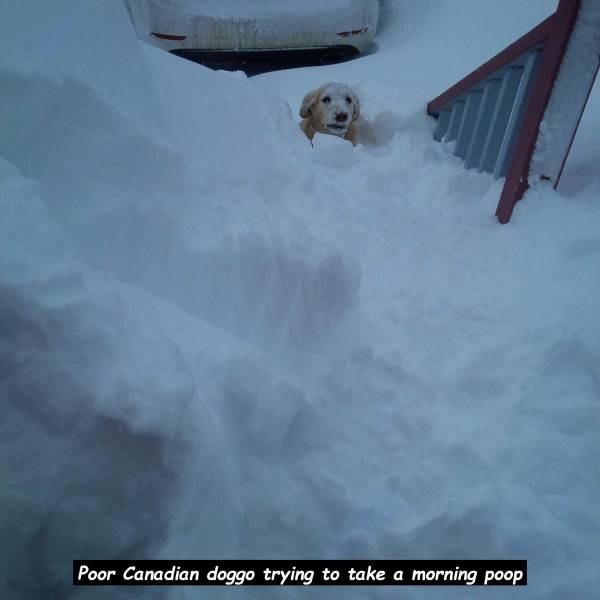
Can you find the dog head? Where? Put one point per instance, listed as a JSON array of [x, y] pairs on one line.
[[331, 108]]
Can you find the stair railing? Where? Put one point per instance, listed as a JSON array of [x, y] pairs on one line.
[[493, 115]]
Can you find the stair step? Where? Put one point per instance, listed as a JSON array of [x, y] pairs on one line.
[[442, 124], [518, 112], [468, 122], [482, 122], [502, 111], [456, 115]]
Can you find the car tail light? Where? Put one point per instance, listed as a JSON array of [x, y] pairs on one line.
[[166, 36]]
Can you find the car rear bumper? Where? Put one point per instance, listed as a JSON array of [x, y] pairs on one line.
[[214, 58], [274, 57], [158, 23]]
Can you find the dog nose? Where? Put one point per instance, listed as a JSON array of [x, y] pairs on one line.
[[341, 117]]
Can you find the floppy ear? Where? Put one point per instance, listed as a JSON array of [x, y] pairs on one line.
[[308, 103], [355, 108]]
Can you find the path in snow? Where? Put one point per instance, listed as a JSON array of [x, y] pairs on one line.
[[319, 352]]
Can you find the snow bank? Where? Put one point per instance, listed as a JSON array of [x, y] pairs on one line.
[[85, 427], [116, 409], [121, 177], [219, 341], [121, 401], [93, 44]]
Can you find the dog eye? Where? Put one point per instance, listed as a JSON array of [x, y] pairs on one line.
[[348, 100], [327, 99]]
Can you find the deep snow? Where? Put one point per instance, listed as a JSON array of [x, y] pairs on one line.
[[570, 92], [219, 342]]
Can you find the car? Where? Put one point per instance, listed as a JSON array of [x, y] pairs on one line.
[[222, 33]]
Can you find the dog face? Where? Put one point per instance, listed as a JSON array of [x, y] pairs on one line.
[[331, 108]]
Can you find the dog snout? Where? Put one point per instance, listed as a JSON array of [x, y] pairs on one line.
[[341, 117]]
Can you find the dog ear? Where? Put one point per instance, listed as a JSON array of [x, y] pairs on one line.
[[355, 108], [308, 103]]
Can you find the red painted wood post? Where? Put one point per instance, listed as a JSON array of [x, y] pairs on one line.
[[516, 180]]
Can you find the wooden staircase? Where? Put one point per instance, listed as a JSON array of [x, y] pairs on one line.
[[491, 117]]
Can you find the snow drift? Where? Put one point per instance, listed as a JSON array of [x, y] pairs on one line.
[[219, 342]]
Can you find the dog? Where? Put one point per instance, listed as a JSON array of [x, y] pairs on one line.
[[332, 109]]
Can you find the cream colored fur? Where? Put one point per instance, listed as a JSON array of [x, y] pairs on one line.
[[332, 109]]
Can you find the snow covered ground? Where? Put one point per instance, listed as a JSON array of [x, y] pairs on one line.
[[219, 342]]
